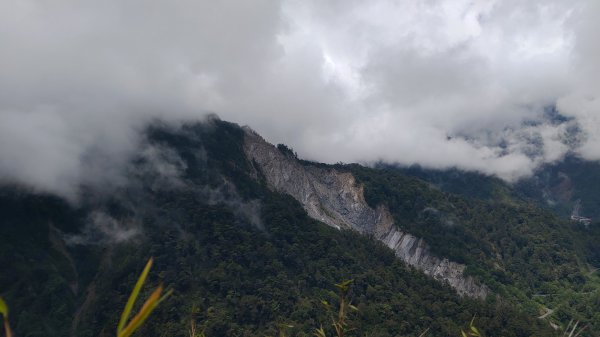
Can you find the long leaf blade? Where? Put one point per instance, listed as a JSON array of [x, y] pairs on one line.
[[3, 308], [134, 295], [149, 306], [4, 312], [7, 330]]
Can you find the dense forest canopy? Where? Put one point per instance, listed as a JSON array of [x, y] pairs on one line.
[[243, 259]]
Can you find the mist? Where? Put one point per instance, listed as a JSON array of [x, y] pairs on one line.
[[499, 87]]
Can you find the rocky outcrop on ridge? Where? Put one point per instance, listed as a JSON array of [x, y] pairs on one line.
[[334, 198]]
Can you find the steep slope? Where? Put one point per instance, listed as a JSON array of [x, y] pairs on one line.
[[245, 257], [334, 197], [472, 185], [566, 186], [521, 250]]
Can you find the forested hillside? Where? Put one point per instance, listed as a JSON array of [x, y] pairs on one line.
[[521, 250], [243, 259]]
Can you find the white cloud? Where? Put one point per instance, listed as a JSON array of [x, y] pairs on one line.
[[441, 83]]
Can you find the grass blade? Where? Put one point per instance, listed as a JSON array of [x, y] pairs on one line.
[[167, 294], [3, 308], [133, 296], [4, 312], [149, 306], [7, 328]]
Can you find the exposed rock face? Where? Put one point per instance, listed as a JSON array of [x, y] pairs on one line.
[[334, 198]]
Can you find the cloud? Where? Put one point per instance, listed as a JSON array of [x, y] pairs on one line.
[[103, 229], [246, 211], [79, 80], [159, 167], [456, 83]]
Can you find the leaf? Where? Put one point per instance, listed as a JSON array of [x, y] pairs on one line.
[[344, 285], [143, 314], [134, 295], [320, 332], [463, 333], [3, 308], [167, 294], [4, 312], [7, 330]]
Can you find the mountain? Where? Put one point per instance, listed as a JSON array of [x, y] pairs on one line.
[[333, 197], [566, 186], [250, 237]]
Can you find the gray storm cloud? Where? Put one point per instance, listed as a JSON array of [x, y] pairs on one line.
[[456, 83]]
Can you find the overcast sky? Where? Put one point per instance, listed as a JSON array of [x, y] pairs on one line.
[[452, 83]]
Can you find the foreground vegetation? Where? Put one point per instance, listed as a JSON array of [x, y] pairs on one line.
[[340, 317]]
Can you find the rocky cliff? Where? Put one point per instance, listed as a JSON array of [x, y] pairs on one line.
[[334, 198]]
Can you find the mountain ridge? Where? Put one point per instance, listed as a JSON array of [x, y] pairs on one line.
[[334, 198], [249, 256]]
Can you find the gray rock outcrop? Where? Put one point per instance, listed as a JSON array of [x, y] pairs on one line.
[[334, 198]]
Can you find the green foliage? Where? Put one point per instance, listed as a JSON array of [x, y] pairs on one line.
[[288, 151], [4, 313], [247, 278], [472, 185], [339, 319], [40, 279], [525, 253], [3, 308], [561, 185], [125, 329], [472, 331], [194, 330]]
